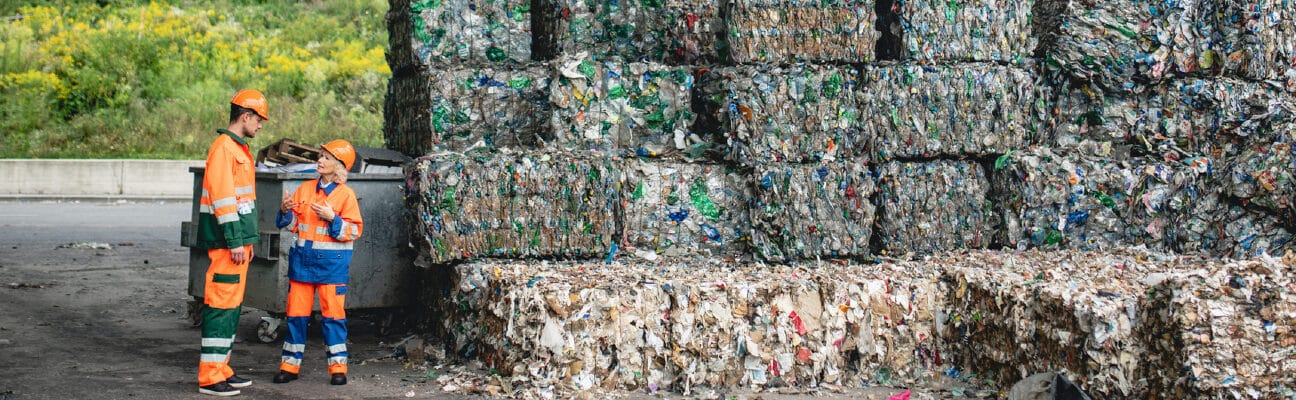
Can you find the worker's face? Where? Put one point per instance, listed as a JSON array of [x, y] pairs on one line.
[[251, 124], [326, 164]]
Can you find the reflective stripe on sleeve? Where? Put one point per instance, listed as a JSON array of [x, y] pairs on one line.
[[228, 201], [243, 190]]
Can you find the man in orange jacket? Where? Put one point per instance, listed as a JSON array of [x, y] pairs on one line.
[[326, 218], [227, 228]]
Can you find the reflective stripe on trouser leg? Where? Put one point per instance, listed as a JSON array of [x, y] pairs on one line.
[[333, 307], [222, 305], [301, 296]]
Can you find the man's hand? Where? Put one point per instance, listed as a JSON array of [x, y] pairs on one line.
[[324, 211], [239, 255]]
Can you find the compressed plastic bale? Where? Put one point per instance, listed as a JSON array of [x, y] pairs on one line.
[[881, 323], [1225, 228], [501, 205], [1263, 38], [1119, 43], [671, 31], [636, 109], [441, 33], [678, 209], [487, 107], [997, 30], [812, 211], [1014, 314], [1062, 200], [962, 110], [778, 32], [799, 113], [1262, 172], [1222, 331], [934, 206]]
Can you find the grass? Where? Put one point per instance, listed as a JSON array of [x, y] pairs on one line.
[[131, 79]]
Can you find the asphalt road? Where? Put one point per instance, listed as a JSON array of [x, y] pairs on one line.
[[93, 304]]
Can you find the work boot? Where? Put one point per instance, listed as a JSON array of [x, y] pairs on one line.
[[220, 389], [238, 381], [338, 379], [284, 377]]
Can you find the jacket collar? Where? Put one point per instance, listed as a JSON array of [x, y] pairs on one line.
[[327, 188], [232, 135]]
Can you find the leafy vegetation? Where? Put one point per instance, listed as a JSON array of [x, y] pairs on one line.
[[130, 79]]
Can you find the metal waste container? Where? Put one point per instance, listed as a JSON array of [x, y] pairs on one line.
[[382, 267]]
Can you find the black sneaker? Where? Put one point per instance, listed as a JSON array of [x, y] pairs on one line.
[[284, 377], [238, 381], [338, 379], [220, 389]]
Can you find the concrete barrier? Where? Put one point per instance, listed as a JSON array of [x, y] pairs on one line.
[[108, 179]]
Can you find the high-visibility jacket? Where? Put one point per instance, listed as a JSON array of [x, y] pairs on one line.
[[322, 251], [227, 215]]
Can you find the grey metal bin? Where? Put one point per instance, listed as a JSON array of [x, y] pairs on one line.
[[382, 268]]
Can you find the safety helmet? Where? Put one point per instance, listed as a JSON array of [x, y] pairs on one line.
[[343, 151], [254, 100]]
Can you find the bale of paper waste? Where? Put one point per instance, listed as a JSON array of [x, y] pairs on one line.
[[469, 107], [812, 211], [995, 30], [935, 206], [780, 32], [685, 210], [1222, 331], [1119, 43], [483, 204], [924, 111], [798, 113], [1014, 314], [670, 31], [636, 109], [428, 34], [681, 325], [882, 322]]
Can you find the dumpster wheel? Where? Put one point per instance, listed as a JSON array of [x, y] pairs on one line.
[[268, 330]]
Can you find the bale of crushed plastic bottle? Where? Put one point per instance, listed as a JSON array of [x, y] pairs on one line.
[[678, 209], [812, 211], [778, 32], [666, 31], [973, 109], [927, 207], [798, 113], [995, 30], [530, 205], [468, 107], [429, 34]]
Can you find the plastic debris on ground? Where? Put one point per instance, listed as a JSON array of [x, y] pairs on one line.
[[680, 209], [635, 109], [513, 205], [799, 113], [927, 207], [966, 109], [778, 32], [995, 30], [812, 211], [453, 32], [670, 31], [486, 107]]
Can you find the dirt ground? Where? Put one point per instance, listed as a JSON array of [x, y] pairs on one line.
[[93, 304]]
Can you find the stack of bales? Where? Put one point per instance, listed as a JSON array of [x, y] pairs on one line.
[[620, 186]]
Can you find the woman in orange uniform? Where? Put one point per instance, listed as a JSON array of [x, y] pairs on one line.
[[326, 218]]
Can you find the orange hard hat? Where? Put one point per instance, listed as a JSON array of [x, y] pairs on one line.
[[254, 100], [343, 151]]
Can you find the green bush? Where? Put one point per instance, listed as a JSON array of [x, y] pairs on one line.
[[132, 79]]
